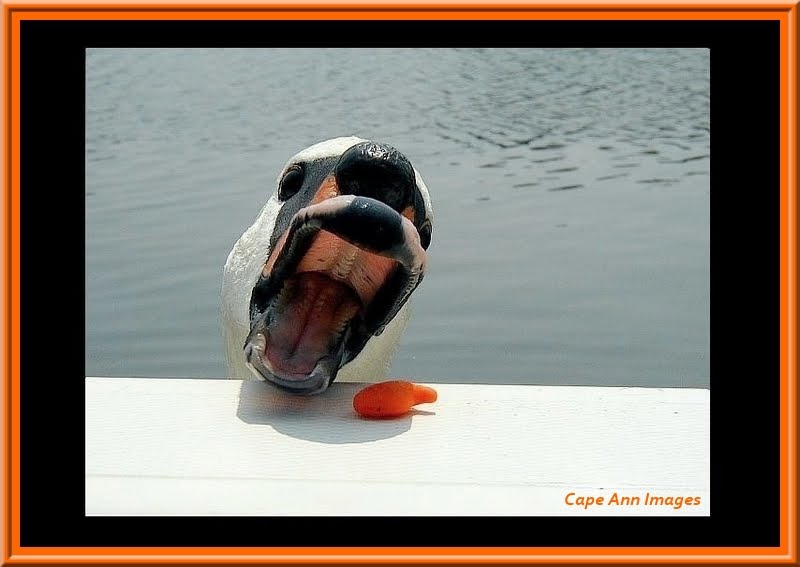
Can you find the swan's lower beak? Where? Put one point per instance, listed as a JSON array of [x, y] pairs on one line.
[[336, 277]]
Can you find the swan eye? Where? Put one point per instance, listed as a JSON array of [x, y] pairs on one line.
[[425, 234], [291, 182]]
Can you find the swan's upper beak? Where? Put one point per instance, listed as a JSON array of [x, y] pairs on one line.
[[348, 261]]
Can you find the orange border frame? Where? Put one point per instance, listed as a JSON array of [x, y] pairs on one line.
[[783, 11]]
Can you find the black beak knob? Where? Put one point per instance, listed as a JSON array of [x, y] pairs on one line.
[[377, 171]]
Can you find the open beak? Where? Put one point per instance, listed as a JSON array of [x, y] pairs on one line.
[[336, 277]]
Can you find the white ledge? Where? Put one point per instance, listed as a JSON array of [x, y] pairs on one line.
[[228, 447]]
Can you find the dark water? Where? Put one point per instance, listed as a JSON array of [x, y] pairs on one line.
[[570, 188]]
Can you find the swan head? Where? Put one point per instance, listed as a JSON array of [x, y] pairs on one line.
[[344, 241]]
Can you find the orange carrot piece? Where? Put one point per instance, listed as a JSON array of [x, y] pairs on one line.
[[391, 399]]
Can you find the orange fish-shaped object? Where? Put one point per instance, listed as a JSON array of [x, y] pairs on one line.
[[391, 399]]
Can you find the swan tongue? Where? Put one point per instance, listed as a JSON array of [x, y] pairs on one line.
[[307, 321]]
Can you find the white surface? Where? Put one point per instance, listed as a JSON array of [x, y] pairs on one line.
[[229, 447]]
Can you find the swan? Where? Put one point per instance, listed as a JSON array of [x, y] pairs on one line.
[[318, 286]]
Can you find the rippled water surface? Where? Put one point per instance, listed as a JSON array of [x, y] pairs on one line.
[[570, 188]]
